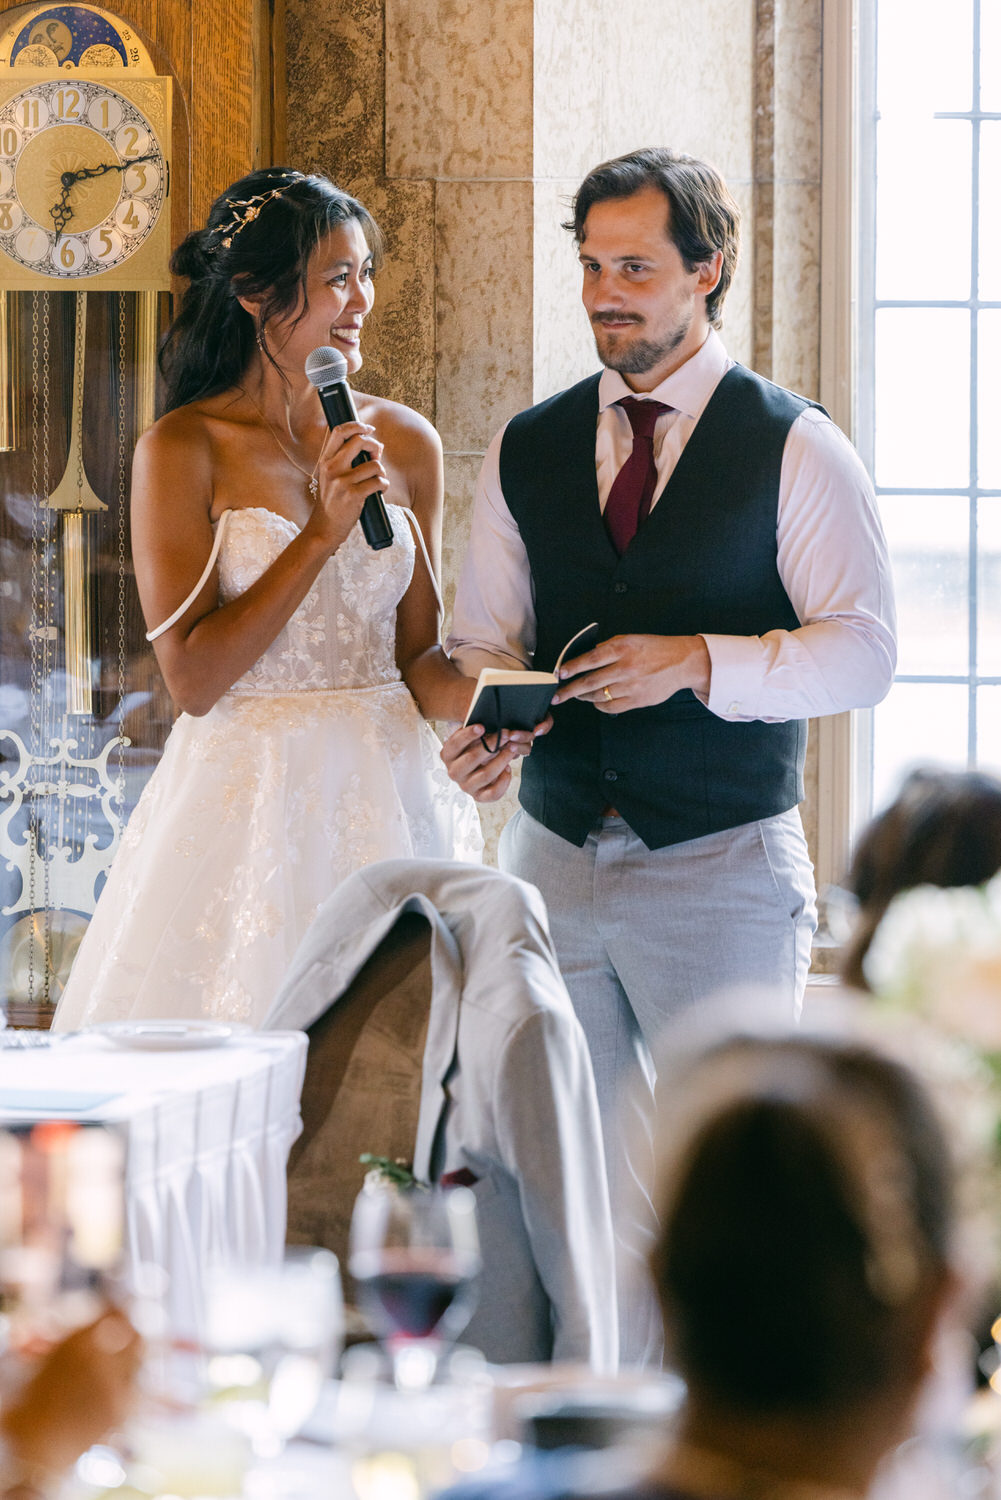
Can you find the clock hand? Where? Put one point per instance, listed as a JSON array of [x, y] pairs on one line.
[[61, 212]]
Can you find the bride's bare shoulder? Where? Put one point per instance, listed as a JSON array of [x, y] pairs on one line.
[[189, 434], [399, 425]]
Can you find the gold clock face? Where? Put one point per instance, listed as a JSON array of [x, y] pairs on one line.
[[83, 178]]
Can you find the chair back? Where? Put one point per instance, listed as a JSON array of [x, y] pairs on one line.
[[362, 1089]]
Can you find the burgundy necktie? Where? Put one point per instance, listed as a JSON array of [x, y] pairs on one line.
[[628, 503]]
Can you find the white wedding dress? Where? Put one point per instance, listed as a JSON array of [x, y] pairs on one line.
[[315, 763]]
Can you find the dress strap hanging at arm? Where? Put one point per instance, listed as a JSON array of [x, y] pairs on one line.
[[416, 526], [220, 532]]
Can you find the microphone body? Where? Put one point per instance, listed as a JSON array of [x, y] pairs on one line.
[[327, 369]]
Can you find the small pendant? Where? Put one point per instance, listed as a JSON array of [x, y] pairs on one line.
[[314, 486]]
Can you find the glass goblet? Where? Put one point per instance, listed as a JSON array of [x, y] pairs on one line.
[[414, 1259], [271, 1337]]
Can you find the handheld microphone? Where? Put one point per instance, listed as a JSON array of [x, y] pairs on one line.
[[327, 369]]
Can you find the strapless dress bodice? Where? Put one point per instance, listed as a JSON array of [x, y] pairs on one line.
[[343, 635]]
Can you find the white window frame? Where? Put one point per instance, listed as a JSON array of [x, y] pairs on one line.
[[848, 188]]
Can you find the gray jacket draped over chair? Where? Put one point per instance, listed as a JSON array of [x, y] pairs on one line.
[[506, 1095]]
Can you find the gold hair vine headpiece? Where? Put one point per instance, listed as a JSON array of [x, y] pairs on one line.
[[247, 209]]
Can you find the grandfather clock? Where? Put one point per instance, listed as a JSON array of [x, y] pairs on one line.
[[111, 148]]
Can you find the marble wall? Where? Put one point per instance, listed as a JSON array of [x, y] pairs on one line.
[[466, 125]]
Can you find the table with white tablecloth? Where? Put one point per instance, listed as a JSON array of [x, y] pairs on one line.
[[208, 1133]]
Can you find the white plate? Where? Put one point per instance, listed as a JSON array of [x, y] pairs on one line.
[[167, 1036]]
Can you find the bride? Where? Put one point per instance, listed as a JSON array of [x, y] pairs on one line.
[[303, 663]]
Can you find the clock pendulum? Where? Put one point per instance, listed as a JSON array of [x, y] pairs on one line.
[[74, 496], [147, 336], [9, 360]]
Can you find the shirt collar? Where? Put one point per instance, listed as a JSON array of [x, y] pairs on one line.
[[687, 389]]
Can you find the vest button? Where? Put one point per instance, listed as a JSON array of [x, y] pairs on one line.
[[620, 588], [610, 775]]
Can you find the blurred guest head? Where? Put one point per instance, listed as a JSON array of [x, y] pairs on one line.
[[943, 828], [803, 1265], [803, 1259]]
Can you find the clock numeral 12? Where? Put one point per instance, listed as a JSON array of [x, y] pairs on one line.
[[65, 109]]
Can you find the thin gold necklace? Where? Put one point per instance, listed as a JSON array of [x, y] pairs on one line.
[[314, 483]]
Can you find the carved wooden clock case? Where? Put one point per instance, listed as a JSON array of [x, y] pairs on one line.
[[97, 167]]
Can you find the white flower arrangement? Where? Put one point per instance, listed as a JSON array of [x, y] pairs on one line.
[[937, 953], [934, 966]]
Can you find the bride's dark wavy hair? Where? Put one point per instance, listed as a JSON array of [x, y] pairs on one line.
[[209, 344]]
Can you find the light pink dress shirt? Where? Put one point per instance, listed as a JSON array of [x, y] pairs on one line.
[[832, 560]]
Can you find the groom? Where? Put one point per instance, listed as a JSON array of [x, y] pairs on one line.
[[724, 534]]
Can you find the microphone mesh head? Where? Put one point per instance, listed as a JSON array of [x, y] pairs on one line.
[[325, 366]]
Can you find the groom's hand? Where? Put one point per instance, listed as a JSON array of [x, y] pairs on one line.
[[635, 671]]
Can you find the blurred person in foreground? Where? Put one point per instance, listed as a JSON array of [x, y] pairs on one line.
[[57, 1404], [943, 828], [924, 944], [803, 1268]]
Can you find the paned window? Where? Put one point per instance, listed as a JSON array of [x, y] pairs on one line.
[[929, 372]]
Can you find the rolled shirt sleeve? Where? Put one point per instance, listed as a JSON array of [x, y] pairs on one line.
[[833, 562]]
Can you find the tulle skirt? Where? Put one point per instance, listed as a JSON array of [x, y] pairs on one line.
[[253, 816]]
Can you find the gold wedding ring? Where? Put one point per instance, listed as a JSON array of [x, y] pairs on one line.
[[607, 694]]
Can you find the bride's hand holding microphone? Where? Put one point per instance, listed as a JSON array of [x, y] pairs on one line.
[[342, 489], [326, 371]]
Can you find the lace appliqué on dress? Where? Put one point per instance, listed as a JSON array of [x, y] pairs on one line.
[[316, 762]]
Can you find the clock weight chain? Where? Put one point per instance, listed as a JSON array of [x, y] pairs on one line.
[[75, 497], [39, 924]]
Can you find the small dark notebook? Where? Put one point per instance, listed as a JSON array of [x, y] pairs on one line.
[[520, 700]]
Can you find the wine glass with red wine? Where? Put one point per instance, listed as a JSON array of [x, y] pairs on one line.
[[414, 1259]]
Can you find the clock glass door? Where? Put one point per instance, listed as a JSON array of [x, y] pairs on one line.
[[83, 711], [87, 144]]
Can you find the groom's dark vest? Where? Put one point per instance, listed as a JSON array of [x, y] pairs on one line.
[[703, 562]]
